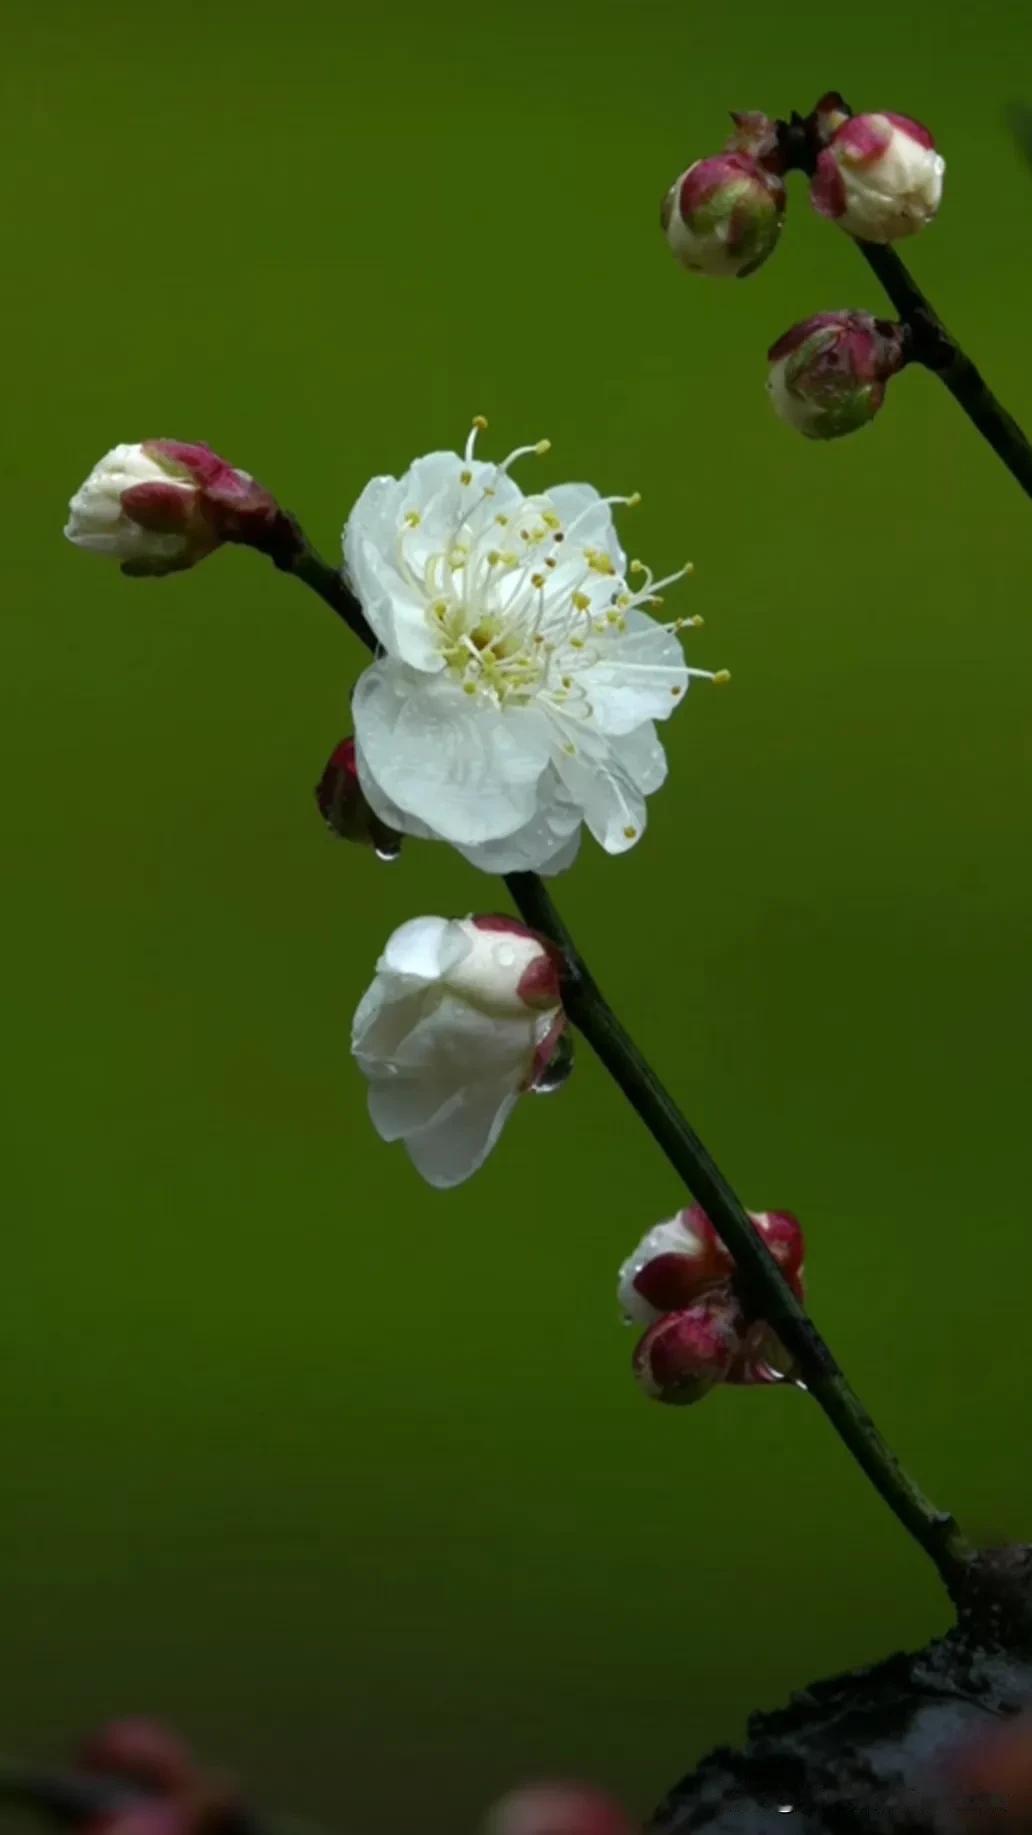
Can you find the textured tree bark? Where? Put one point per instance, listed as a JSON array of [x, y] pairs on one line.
[[886, 1748]]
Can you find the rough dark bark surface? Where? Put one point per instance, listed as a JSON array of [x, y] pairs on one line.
[[877, 1750]]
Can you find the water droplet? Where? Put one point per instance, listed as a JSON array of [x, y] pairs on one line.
[[556, 1070], [387, 853], [785, 1809]]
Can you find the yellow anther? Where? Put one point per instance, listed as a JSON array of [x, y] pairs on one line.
[[638, 567], [570, 749], [696, 621], [551, 561], [676, 691], [508, 559], [480, 420], [542, 447], [567, 681], [469, 688], [633, 500], [466, 477], [537, 579], [630, 833], [550, 519], [582, 602], [413, 518], [502, 521], [576, 643], [721, 676], [598, 561]]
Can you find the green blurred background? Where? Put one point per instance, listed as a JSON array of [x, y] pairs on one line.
[[347, 1477]]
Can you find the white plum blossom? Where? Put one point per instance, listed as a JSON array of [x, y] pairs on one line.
[[520, 677], [463, 1016]]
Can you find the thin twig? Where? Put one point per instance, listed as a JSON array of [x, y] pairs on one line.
[[761, 1280], [759, 1274]]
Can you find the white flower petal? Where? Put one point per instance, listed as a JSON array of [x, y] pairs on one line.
[[429, 947], [642, 756], [468, 771], [457, 1142], [548, 843], [640, 675], [614, 807]]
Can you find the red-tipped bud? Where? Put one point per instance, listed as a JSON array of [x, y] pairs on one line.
[[879, 176], [724, 215], [344, 809], [828, 374], [557, 1809], [162, 505], [783, 1234], [672, 1265], [681, 1259], [685, 1354], [142, 1752]]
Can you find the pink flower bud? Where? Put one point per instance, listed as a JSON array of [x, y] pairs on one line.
[[141, 1752], [557, 1809], [681, 1259], [879, 177], [685, 1354], [783, 1234], [724, 215], [163, 505], [344, 809], [828, 374], [673, 1264]]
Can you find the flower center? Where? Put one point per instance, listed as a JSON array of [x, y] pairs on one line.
[[519, 606]]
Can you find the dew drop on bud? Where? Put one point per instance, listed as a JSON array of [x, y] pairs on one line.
[[557, 1070]]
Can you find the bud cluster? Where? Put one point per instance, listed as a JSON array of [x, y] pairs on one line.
[[878, 176], [680, 1283]]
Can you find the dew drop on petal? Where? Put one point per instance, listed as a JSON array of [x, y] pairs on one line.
[[557, 1070]]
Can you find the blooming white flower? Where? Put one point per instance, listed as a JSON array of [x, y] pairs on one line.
[[520, 677], [463, 1016], [879, 177], [135, 480]]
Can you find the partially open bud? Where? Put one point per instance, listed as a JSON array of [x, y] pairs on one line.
[[724, 215], [828, 374], [685, 1354], [879, 177], [344, 809], [557, 1809], [162, 505], [464, 1016], [672, 1265], [678, 1261]]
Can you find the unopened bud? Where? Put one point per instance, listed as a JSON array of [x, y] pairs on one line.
[[672, 1265], [757, 135], [828, 374], [783, 1234], [685, 1354], [344, 809], [142, 1752], [724, 215], [162, 505], [879, 177], [557, 1809], [678, 1261]]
